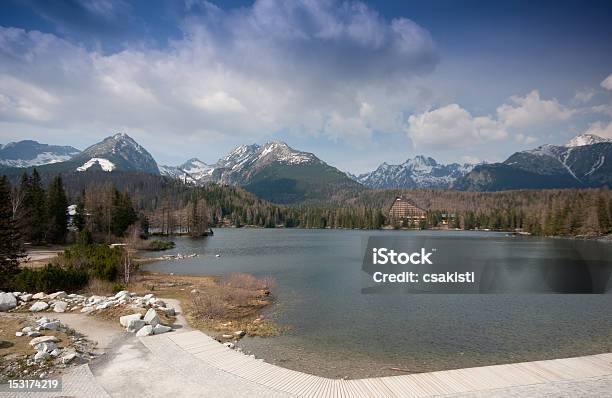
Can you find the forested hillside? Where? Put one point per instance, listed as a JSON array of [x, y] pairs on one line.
[[542, 212], [169, 206]]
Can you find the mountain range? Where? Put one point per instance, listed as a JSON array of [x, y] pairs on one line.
[[584, 162], [281, 174], [273, 171], [419, 172], [29, 153]]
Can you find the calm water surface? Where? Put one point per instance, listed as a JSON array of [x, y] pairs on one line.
[[338, 332]]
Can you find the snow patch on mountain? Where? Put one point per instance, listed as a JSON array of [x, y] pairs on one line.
[[40, 159], [586, 139], [280, 152], [28, 153], [196, 167], [105, 164]]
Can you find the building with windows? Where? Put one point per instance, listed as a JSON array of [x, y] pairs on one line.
[[403, 209]]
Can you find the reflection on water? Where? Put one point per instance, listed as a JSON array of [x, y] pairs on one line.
[[339, 332]]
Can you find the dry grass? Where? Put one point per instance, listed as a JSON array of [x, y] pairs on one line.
[[11, 345], [221, 305], [248, 281], [99, 287]]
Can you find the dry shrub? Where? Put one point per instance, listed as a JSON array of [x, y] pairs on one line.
[[236, 296], [248, 282], [99, 287], [207, 305]]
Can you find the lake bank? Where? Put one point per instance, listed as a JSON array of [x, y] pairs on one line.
[[319, 298]]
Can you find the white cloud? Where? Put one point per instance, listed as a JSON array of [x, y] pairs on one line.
[[600, 129], [452, 127], [607, 83], [523, 118], [606, 109], [20, 100], [337, 69], [532, 111], [525, 139], [583, 96], [220, 102]]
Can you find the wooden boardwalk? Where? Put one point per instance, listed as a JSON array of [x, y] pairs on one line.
[[458, 381]]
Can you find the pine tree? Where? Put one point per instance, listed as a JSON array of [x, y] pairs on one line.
[[11, 249], [57, 219], [122, 214], [32, 215]]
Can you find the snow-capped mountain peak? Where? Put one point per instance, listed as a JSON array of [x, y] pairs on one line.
[[124, 152], [418, 172], [278, 151], [240, 163], [29, 153], [196, 168], [586, 139]]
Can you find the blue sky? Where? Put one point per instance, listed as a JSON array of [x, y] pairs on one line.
[[357, 83]]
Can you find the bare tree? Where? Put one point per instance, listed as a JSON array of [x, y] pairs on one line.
[[17, 196]]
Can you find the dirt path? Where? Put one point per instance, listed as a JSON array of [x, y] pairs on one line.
[[105, 333]]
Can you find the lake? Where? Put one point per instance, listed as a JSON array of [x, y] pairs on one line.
[[336, 331]]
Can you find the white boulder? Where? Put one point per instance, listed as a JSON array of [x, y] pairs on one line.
[[58, 295], [54, 325], [39, 306], [41, 356], [104, 305], [19, 334], [7, 301], [168, 311], [122, 294], [135, 325], [146, 330], [43, 339], [39, 296], [93, 300], [69, 357], [87, 309], [25, 297], [159, 329], [125, 320], [46, 346], [151, 317], [60, 306]]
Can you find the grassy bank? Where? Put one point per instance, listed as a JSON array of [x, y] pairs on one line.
[[216, 305]]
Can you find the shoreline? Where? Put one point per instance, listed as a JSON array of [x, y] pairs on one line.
[[261, 348]]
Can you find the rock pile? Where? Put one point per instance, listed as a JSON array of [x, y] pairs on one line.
[[63, 302], [144, 326], [48, 353]]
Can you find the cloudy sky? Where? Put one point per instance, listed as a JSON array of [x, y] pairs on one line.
[[357, 83]]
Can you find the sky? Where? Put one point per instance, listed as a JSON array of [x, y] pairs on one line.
[[356, 83]]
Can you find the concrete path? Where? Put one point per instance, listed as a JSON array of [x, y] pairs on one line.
[[188, 363]]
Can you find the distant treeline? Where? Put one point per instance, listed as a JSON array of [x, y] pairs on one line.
[[169, 206], [550, 212]]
